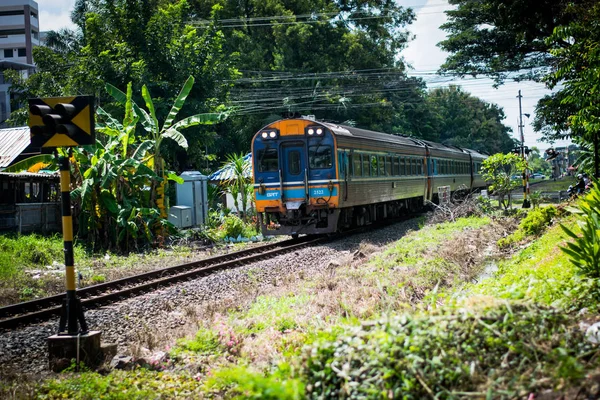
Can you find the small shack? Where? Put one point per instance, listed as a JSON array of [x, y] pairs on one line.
[[30, 202]]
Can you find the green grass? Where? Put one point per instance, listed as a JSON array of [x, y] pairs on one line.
[[31, 251], [268, 311], [541, 273], [122, 385]]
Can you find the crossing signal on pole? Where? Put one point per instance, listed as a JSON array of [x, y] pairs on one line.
[[551, 154], [62, 121]]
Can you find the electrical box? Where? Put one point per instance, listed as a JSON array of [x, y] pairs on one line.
[[181, 216], [193, 193]]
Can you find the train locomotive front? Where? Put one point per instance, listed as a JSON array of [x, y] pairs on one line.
[[296, 182]]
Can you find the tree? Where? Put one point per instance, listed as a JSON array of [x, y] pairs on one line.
[[537, 163], [498, 170], [136, 41], [336, 60], [500, 38], [578, 68]]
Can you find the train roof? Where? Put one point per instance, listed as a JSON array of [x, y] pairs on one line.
[[351, 131], [343, 130]]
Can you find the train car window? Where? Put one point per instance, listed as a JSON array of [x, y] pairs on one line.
[[381, 165], [366, 165], [414, 166], [294, 162], [388, 166], [420, 167], [268, 160], [374, 169], [341, 157], [402, 166], [396, 167], [320, 156], [357, 165]]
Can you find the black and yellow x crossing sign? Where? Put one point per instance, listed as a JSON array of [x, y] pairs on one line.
[[62, 121]]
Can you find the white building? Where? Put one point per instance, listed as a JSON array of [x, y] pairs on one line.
[[19, 32]]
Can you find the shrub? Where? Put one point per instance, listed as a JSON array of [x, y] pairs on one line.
[[532, 225], [513, 350], [233, 227], [584, 251]]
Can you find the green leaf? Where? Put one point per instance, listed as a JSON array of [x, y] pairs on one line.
[[142, 149], [173, 177], [569, 232], [177, 136], [200, 119], [179, 101], [121, 97], [110, 121], [150, 106], [27, 163], [109, 201]]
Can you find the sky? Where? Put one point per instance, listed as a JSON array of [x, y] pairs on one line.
[[422, 54]]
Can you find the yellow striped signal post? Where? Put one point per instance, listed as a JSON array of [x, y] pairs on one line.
[[67, 122], [72, 319]]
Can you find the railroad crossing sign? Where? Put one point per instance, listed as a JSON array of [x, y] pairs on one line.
[[62, 121]]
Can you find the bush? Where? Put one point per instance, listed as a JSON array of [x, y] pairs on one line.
[[532, 225], [241, 383], [513, 350], [584, 251], [233, 227]]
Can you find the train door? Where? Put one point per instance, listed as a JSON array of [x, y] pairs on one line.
[[293, 167]]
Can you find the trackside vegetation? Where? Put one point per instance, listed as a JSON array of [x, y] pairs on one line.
[[404, 322]]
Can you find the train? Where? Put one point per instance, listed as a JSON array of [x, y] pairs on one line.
[[313, 177]]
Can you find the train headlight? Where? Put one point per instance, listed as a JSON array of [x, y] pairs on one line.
[[270, 134], [314, 130]]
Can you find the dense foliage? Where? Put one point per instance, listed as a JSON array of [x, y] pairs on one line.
[[336, 60], [551, 41], [448, 355], [584, 250]]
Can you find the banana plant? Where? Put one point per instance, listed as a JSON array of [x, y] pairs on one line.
[[238, 185], [169, 130]]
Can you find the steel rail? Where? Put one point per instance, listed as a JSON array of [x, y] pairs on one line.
[[92, 296]]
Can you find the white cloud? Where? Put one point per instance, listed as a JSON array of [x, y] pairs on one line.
[[55, 14]]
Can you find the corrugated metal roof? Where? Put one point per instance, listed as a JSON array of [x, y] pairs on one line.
[[12, 143], [226, 172]]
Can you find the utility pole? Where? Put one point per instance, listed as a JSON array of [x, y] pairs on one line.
[[526, 203]]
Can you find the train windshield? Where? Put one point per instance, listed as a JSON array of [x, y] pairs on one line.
[[320, 156], [268, 160]]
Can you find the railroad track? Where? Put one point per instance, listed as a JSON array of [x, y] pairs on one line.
[[94, 296]]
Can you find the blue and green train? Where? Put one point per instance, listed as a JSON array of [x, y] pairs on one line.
[[315, 177]]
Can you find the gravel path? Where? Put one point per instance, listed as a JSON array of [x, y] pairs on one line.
[[156, 317]]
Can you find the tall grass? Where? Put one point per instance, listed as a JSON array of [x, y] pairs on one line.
[[19, 252]]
